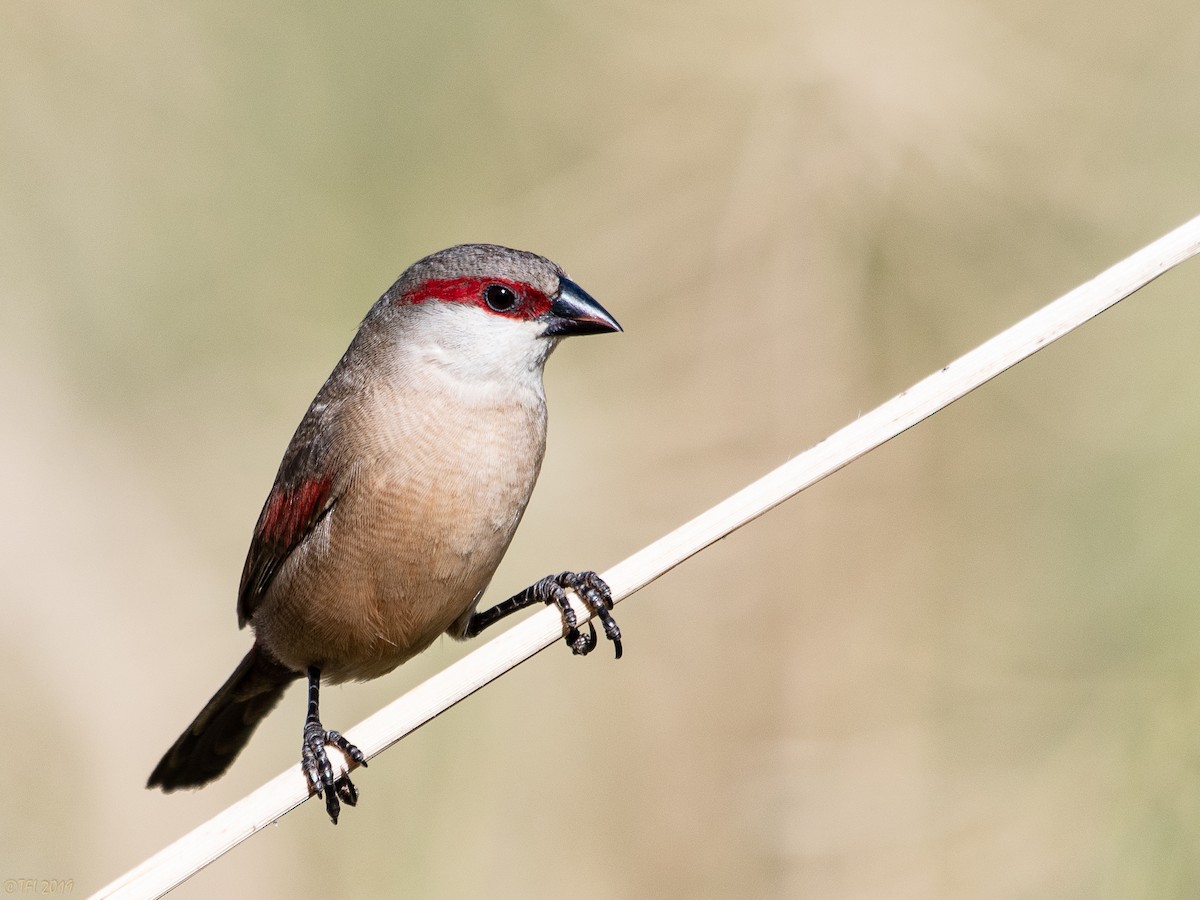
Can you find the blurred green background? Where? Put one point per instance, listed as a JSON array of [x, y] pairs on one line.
[[966, 666]]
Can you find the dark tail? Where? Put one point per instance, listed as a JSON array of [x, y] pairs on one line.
[[211, 743]]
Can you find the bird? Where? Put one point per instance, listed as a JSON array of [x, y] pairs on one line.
[[396, 499]]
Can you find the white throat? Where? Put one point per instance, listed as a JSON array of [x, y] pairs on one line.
[[486, 356]]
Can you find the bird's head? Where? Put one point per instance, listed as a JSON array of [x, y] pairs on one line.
[[486, 310]]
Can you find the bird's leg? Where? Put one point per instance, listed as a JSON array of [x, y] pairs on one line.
[[553, 590], [314, 759]]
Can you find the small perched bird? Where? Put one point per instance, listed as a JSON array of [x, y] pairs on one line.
[[396, 499]]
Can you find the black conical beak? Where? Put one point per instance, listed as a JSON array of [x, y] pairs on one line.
[[574, 311]]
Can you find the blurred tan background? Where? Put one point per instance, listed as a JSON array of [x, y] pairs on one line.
[[966, 666]]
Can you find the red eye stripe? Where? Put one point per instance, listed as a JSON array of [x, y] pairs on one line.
[[531, 302]]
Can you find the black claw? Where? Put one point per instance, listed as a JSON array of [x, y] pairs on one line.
[[552, 590], [352, 752], [314, 757], [333, 808], [582, 646], [319, 771], [346, 791], [572, 636], [596, 596]]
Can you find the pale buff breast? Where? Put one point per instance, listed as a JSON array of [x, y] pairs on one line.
[[414, 538]]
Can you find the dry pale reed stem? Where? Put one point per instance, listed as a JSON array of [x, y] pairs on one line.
[[192, 852]]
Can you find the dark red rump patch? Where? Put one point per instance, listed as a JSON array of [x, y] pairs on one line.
[[289, 512], [530, 304]]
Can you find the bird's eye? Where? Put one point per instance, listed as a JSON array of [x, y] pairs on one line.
[[500, 298]]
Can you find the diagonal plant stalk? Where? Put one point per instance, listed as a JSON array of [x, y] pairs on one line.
[[182, 859]]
